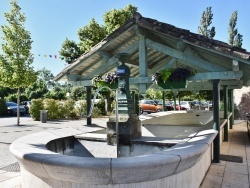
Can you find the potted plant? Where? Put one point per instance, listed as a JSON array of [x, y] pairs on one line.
[[109, 80], [172, 78]]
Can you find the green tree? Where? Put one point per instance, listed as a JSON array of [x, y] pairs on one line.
[[153, 94], [115, 18], [5, 91], [78, 93], [46, 76], [238, 40], [15, 62], [235, 38], [70, 51], [205, 22], [90, 35], [93, 33]]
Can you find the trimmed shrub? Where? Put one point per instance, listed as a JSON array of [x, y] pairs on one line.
[[53, 108], [36, 106], [69, 109]]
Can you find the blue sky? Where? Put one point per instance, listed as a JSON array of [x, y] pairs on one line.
[[50, 22]]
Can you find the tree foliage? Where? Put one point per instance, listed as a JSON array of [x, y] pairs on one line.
[[90, 35], [205, 22], [70, 51], [235, 38], [16, 70], [16, 60], [115, 18], [153, 94], [93, 33]]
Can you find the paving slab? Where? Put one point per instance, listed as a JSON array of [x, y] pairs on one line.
[[220, 175], [231, 174]]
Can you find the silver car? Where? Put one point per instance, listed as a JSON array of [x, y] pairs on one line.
[[12, 108]]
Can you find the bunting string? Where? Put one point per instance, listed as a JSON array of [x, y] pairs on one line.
[[49, 56]]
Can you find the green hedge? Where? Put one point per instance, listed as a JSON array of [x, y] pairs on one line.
[[3, 108], [61, 109], [36, 106]]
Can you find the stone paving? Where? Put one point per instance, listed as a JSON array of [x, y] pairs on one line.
[[231, 174], [9, 132], [220, 175]]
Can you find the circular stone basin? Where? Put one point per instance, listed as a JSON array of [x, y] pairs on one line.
[[169, 167]]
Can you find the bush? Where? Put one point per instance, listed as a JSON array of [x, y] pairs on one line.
[[3, 108], [101, 105], [81, 110], [36, 106], [53, 108], [61, 109], [96, 112], [69, 109]]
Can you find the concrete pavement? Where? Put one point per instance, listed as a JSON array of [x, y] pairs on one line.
[[221, 175], [9, 132], [231, 174]]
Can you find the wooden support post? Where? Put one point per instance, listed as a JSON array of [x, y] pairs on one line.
[[175, 93], [163, 101], [143, 63], [135, 102], [216, 115], [231, 107], [88, 102], [225, 99]]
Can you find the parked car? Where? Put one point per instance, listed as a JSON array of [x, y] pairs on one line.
[[205, 105], [149, 106], [26, 105], [12, 108], [195, 104], [168, 106], [184, 105]]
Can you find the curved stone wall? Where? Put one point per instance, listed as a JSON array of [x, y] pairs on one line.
[[184, 164]]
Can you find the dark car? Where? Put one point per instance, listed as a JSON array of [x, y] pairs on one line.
[[12, 108], [168, 106], [26, 105]]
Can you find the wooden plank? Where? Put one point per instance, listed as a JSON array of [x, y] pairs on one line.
[[225, 75], [195, 61]]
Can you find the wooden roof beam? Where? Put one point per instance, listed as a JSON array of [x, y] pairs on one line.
[[195, 61], [225, 75], [162, 66], [112, 62]]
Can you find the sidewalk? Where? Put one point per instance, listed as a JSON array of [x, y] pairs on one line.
[[231, 174], [220, 175], [9, 132]]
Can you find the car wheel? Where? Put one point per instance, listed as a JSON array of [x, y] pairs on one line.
[[158, 110]]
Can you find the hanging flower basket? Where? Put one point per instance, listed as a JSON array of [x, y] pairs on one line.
[[112, 86], [172, 84], [172, 78], [109, 80]]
